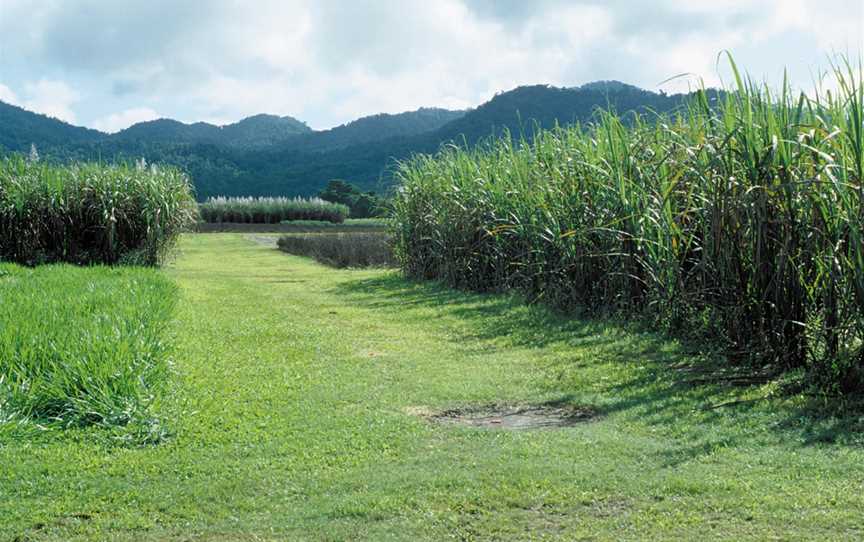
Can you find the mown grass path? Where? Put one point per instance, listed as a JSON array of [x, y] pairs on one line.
[[291, 421]]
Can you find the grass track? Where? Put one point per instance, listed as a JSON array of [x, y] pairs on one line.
[[291, 424]]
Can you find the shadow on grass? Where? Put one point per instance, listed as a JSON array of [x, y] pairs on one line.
[[652, 376]]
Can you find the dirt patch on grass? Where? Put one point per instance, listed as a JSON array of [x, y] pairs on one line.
[[342, 250], [510, 417], [268, 241]]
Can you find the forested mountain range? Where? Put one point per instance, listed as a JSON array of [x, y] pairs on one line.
[[271, 155], [249, 133], [20, 128]]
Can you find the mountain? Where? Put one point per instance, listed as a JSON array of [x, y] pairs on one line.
[[377, 128], [520, 109], [269, 155], [20, 128], [263, 131], [287, 169], [252, 132], [169, 131]]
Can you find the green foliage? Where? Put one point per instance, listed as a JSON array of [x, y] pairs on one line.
[[271, 156], [341, 249], [90, 213], [361, 205], [742, 221], [83, 346], [271, 210], [520, 110]]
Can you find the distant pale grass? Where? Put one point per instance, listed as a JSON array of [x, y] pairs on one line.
[[271, 210], [348, 223], [342, 249], [740, 221], [91, 213], [83, 346]]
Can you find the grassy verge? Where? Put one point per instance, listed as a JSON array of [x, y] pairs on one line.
[[82, 347], [298, 385], [342, 249]]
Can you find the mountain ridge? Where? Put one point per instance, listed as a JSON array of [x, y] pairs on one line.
[[254, 131], [362, 152]]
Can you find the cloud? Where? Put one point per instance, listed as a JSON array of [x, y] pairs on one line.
[[52, 98], [330, 61], [6, 95], [118, 121]]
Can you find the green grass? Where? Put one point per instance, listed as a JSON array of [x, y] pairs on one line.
[[91, 213], [271, 210], [292, 389], [83, 346], [738, 221]]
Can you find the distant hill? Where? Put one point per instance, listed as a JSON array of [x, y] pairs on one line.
[[168, 131], [263, 131], [377, 128], [252, 132], [518, 110], [270, 155], [19, 128], [369, 165]]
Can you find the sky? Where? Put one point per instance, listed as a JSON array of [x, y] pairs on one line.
[[107, 64]]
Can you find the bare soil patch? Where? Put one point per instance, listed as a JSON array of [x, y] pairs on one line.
[[265, 240], [511, 417]]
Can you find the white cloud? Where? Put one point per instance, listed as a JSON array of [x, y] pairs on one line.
[[52, 98], [118, 121], [330, 61], [6, 95]]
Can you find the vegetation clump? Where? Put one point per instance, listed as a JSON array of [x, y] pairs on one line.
[[740, 219], [342, 249], [90, 213], [250, 210], [83, 346], [361, 204]]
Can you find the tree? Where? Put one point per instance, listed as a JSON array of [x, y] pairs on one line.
[[339, 191], [362, 205]]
